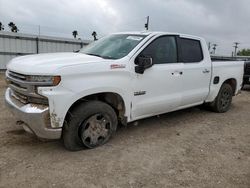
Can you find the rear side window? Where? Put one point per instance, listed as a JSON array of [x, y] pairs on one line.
[[191, 50]]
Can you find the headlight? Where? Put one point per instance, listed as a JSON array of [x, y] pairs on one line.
[[48, 80]]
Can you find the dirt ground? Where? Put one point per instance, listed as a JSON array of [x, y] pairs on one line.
[[189, 148]]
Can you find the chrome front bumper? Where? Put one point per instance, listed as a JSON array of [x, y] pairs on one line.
[[35, 118]]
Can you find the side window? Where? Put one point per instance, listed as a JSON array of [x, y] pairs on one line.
[[162, 50], [191, 50]]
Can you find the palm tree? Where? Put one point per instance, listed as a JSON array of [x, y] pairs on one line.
[[13, 27], [94, 34], [74, 33], [1, 26]]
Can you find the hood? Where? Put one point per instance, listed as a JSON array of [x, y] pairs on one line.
[[49, 63]]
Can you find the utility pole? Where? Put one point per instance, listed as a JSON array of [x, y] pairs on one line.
[[39, 30], [147, 24], [214, 47], [235, 48]]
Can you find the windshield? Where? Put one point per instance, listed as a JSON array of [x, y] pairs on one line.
[[113, 46]]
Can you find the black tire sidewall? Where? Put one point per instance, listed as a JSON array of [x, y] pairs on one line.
[[217, 104], [71, 128]]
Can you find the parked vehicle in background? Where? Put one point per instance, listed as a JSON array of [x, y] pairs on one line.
[[81, 97], [246, 79]]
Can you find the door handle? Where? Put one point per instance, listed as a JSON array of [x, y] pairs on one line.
[[177, 73], [206, 71]]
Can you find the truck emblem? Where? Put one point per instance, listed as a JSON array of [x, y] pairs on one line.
[[137, 93], [117, 66]]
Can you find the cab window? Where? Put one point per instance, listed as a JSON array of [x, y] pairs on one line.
[[162, 50], [191, 50]]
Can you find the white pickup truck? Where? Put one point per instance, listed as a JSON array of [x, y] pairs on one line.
[[81, 97]]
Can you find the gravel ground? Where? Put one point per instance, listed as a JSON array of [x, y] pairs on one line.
[[189, 148]]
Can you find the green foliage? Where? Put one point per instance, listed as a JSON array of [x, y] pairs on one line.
[[244, 52]]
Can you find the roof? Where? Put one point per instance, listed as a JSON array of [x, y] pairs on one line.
[[159, 33], [23, 35]]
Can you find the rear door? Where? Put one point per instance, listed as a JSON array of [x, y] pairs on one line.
[[196, 72]]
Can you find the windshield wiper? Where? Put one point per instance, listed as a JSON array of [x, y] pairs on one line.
[[107, 57], [104, 57], [93, 54]]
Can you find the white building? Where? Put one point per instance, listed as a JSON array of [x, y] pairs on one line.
[[16, 44]]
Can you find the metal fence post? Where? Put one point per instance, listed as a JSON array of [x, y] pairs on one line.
[[37, 45]]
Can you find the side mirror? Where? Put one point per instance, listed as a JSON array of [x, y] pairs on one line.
[[143, 63]]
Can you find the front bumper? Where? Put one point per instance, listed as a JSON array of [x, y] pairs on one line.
[[35, 118]]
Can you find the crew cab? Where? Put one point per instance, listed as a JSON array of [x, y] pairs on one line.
[[123, 77]]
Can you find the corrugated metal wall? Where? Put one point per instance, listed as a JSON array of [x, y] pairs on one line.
[[16, 44]]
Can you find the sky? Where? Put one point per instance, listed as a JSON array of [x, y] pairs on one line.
[[220, 22]]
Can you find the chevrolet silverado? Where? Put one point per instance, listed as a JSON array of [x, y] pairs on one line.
[[123, 77]]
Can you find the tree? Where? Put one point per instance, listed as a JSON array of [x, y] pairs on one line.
[[75, 33], [13, 27], [244, 52], [1, 26], [94, 34]]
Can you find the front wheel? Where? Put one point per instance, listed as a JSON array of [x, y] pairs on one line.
[[90, 125], [223, 100]]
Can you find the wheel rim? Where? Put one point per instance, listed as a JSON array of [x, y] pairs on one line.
[[225, 99], [96, 130]]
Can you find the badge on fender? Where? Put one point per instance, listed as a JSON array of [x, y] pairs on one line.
[[117, 66]]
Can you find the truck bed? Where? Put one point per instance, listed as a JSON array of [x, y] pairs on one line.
[[233, 69], [226, 58]]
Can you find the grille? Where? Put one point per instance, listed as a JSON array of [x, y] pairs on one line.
[[23, 90], [21, 98], [17, 76]]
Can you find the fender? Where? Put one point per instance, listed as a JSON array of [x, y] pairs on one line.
[[60, 101]]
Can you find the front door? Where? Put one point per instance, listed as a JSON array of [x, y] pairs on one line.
[[159, 89]]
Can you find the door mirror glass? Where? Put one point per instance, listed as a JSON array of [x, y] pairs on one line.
[[143, 63]]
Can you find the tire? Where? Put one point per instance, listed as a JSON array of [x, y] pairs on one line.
[[89, 125], [223, 100]]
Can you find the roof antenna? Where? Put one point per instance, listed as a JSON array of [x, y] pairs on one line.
[[147, 24]]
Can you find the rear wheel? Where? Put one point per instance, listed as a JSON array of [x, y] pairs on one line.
[[89, 125], [223, 101]]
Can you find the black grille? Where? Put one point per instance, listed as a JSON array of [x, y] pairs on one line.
[[23, 90], [17, 76], [27, 99], [18, 96]]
